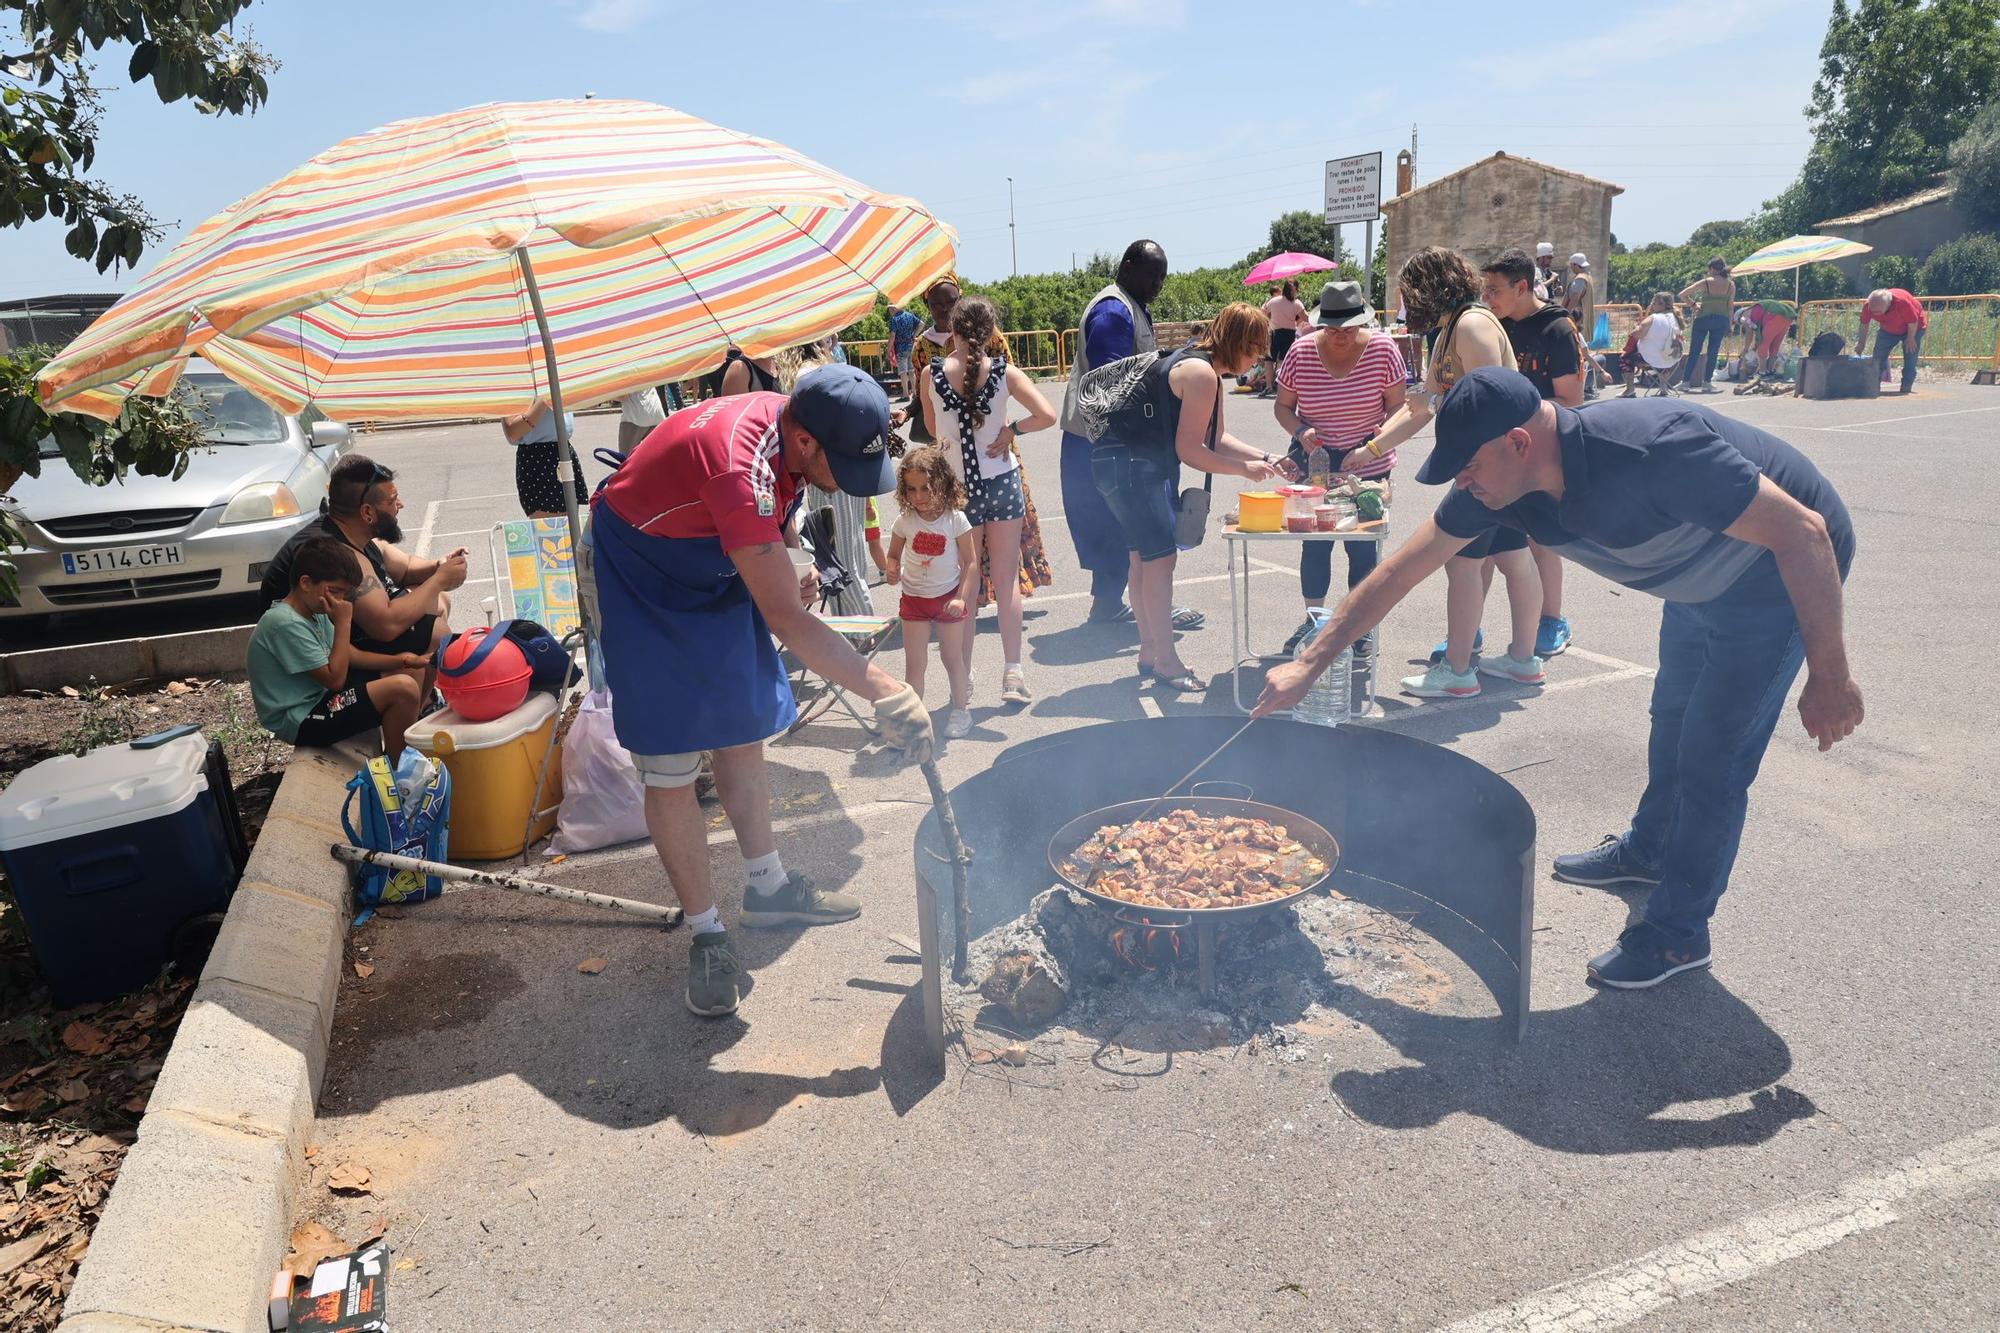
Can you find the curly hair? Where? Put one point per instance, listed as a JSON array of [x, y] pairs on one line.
[[976, 321], [1437, 282], [930, 461]]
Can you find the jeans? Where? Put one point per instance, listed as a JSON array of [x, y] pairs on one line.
[[1701, 368], [1316, 565], [1885, 344], [1725, 669]]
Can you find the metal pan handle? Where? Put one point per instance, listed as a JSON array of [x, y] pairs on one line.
[[1119, 916], [1235, 791]]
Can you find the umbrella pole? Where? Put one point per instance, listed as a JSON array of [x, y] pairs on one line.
[[568, 471]]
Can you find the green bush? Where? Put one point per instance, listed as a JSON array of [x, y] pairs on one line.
[[1968, 264], [1893, 271], [1975, 168]]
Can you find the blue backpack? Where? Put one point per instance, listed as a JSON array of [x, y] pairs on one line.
[[388, 826]]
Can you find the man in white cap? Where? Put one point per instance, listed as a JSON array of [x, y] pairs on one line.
[[1549, 284], [1579, 299]]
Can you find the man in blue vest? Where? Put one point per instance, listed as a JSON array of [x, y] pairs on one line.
[[1741, 536]]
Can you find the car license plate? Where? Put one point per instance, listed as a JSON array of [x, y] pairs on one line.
[[122, 560]]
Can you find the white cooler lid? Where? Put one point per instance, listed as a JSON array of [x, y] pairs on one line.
[[73, 795], [533, 712]]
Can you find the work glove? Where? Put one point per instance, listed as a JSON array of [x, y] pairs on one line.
[[904, 724]]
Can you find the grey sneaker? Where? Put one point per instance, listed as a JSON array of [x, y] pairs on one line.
[[715, 978], [797, 904]]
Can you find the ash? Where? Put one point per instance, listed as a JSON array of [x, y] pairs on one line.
[[1064, 963]]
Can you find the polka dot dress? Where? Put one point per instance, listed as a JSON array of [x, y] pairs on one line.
[[536, 483]]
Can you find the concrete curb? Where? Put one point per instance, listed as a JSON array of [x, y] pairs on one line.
[[222, 1144], [208, 652]]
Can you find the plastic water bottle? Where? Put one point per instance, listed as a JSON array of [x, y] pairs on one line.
[[1319, 469], [1328, 702]]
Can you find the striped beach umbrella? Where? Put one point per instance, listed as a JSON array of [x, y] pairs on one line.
[[400, 274], [1795, 252]]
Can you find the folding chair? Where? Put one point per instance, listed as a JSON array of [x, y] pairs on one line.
[[814, 695], [534, 578]]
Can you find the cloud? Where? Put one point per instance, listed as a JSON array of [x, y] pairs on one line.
[[616, 15]]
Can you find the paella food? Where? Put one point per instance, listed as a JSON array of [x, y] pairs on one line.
[[1187, 860]]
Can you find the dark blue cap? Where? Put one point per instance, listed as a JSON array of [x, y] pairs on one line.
[[847, 412], [1481, 407]]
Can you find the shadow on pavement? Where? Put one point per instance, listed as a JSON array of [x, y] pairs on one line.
[[1602, 1077]]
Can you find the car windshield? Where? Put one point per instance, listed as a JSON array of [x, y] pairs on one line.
[[233, 415]]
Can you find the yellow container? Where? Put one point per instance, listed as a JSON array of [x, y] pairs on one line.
[[494, 767], [1260, 511]]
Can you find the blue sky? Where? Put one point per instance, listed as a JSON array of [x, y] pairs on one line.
[[1191, 123]]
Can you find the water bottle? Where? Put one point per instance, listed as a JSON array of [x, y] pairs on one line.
[[1319, 469], [1328, 702]]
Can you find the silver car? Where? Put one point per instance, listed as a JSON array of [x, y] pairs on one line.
[[149, 540]]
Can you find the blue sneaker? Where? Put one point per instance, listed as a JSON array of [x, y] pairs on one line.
[[1552, 636], [1606, 866], [1643, 957], [1478, 642]]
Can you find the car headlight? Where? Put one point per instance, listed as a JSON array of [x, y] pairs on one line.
[[256, 504]]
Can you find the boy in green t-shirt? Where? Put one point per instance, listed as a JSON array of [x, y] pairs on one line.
[[310, 685]]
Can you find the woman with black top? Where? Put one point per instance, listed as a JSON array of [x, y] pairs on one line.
[[1137, 464], [748, 374]]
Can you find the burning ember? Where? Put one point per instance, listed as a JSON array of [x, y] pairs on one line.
[[1140, 946]]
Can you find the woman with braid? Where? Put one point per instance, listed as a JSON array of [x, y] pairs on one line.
[[966, 396]]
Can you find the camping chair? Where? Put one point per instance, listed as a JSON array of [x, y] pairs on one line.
[[815, 696]]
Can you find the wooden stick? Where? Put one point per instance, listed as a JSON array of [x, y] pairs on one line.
[[666, 916], [960, 857]]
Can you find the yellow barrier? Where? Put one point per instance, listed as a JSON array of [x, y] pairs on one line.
[[1964, 330]]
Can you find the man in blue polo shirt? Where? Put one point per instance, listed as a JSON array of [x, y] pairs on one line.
[[1741, 536], [902, 347]]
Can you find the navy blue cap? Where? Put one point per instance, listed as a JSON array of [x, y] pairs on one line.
[[847, 412], [1480, 408]]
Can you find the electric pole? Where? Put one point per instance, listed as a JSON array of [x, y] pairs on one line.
[[1013, 238]]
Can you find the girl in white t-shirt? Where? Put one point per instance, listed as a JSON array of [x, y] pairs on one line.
[[1654, 341], [932, 557]]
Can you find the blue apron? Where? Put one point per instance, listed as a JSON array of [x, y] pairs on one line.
[[689, 659]]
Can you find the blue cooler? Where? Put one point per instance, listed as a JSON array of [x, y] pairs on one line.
[[119, 855]]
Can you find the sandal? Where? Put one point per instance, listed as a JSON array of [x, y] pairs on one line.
[[1185, 683], [1186, 617]]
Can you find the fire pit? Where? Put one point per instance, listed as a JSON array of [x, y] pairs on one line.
[[1410, 819]]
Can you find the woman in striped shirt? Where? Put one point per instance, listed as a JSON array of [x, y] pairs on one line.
[[1335, 389]]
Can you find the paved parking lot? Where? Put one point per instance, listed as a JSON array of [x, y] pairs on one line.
[[1804, 1137]]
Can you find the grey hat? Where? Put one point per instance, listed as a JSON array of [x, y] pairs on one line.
[[1343, 306]]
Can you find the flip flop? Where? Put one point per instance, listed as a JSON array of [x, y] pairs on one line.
[[1186, 617]]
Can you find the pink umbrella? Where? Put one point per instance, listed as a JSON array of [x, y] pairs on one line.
[[1287, 265]]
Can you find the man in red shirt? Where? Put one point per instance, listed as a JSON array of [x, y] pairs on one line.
[[1902, 320], [694, 575]]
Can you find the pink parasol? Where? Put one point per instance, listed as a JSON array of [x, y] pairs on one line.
[[1287, 265]]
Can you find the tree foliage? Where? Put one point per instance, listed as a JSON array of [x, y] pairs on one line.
[[1302, 232], [152, 437], [1975, 167], [1634, 277], [1966, 265], [1892, 271], [49, 107], [1899, 81], [1713, 234]]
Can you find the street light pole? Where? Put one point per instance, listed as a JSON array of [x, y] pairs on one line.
[[1013, 239]]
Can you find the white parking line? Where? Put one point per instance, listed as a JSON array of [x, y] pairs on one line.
[[423, 546], [1919, 416], [1741, 1249], [1424, 708], [643, 851], [1039, 600]]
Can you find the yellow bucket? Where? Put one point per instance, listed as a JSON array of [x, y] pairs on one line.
[[1260, 511]]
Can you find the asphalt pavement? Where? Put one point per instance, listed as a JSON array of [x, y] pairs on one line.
[[1804, 1137]]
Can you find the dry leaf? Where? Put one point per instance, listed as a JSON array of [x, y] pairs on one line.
[[405, 1265], [71, 692], [312, 1151], [347, 1178], [25, 1101], [376, 1230], [85, 1039], [558, 858], [177, 687], [72, 1090], [592, 966], [136, 1103], [983, 1057], [13, 1256], [311, 1243], [1016, 1055], [364, 970]]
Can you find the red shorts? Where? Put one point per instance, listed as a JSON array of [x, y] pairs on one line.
[[930, 608], [1775, 330]]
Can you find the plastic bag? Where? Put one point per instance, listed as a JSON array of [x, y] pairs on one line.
[[604, 802]]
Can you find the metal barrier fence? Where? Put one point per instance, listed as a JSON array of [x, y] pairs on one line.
[[1037, 351], [1964, 330]]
